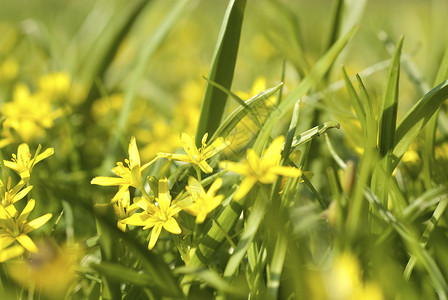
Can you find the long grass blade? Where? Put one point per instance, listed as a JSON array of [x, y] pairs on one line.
[[221, 70]]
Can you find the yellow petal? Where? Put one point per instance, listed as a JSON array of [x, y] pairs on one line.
[[27, 243], [154, 236], [205, 167], [137, 219], [48, 152], [253, 159], [36, 223], [108, 181], [11, 252], [273, 152], [235, 167], [189, 145], [214, 187], [164, 198], [245, 186], [121, 225], [134, 157], [26, 211], [172, 226], [287, 171], [218, 145]]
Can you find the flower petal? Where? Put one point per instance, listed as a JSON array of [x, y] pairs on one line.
[[134, 157], [36, 223], [287, 171], [11, 252], [245, 186], [27, 243], [154, 236], [137, 219], [218, 145], [108, 181], [164, 198], [273, 152], [189, 145], [172, 226]]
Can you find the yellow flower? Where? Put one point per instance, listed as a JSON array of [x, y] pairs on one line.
[[16, 227], [197, 157], [55, 85], [11, 196], [27, 116], [156, 216], [202, 203], [130, 174], [23, 164], [51, 270], [123, 209], [264, 170]]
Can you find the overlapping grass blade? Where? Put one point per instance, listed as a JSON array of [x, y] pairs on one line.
[[101, 53], [148, 48], [221, 70], [317, 72], [386, 128], [414, 121], [356, 101]]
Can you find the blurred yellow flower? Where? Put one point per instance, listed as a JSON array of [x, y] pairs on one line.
[[200, 203], [197, 157], [51, 269], [157, 216], [129, 174], [16, 227], [27, 116], [264, 169], [8, 69], [55, 85], [344, 281], [23, 164]]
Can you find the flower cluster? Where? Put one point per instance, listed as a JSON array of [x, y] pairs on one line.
[[156, 209], [14, 226]]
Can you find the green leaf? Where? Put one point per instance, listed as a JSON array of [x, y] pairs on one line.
[[316, 73], [101, 53], [148, 48], [241, 111], [414, 121], [250, 229], [221, 70], [356, 101], [308, 135]]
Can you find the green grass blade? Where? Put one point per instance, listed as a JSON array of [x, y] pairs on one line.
[[308, 135], [414, 121], [371, 124], [100, 55], [250, 229], [386, 128], [388, 113], [213, 279], [335, 23], [221, 70], [149, 47], [430, 131], [241, 111], [317, 73], [356, 101]]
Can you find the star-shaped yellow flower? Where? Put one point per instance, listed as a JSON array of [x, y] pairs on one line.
[[264, 170], [200, 202], [197, 157], [157, 216], [16, 227], [22, 163], [124, 209], [130, 173]]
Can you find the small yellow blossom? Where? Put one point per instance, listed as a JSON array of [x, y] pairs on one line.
[[16, 227], [11, 196], [23, 164], [197, 157], [27, 116], [156, 216], [264, 170], [55, 85], [51, 269], [202, 203], [130, 173], [124, 209]]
